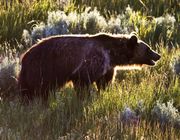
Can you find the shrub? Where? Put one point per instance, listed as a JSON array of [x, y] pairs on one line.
[[164, 28], [91, 21], [176, 64], [60, 23], [166, 113], [26, 39], [38, 32], [94, 22], [57, 23], [9, 70]]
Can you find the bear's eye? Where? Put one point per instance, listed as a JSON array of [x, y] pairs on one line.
[[148, 50]]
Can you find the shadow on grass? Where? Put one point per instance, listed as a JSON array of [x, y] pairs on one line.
[[64, 114]]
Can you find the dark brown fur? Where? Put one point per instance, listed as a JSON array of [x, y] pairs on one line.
[[81, 59]]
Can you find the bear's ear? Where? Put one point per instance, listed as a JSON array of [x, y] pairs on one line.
[[133, 40], [134, 33]]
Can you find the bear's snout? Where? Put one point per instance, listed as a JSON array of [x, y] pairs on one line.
[[153, 58], [156, 56]]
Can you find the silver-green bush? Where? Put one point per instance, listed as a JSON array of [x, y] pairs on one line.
[[9, 70]]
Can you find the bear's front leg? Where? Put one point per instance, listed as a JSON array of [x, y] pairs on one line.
[[82, 89], [81, 83], [105, 80]]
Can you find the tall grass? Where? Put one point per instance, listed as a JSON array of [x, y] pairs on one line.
[[139, 105], [150, 7], [18, 16], [134, 95]]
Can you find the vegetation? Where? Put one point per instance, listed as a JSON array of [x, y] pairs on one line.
[[141, 104]]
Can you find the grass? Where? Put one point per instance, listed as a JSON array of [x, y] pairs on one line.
[[17, 16], [98, 117], [147, 6], [14, 19], [134, 94]]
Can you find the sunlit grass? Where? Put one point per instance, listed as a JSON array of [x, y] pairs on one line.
[[14, 19], [100, 115], [126, 109]]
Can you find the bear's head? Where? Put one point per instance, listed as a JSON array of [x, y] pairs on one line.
[[127, 50], [142, 53]]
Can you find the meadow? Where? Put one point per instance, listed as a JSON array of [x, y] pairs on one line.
[[140, 104]]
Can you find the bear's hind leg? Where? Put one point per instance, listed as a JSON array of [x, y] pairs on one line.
[[26, 96]]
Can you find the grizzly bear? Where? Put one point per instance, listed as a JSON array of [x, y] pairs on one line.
[[82, 59]]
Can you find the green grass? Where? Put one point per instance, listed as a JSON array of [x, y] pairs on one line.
[[151, 7], [100, 116], [14, 19]]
